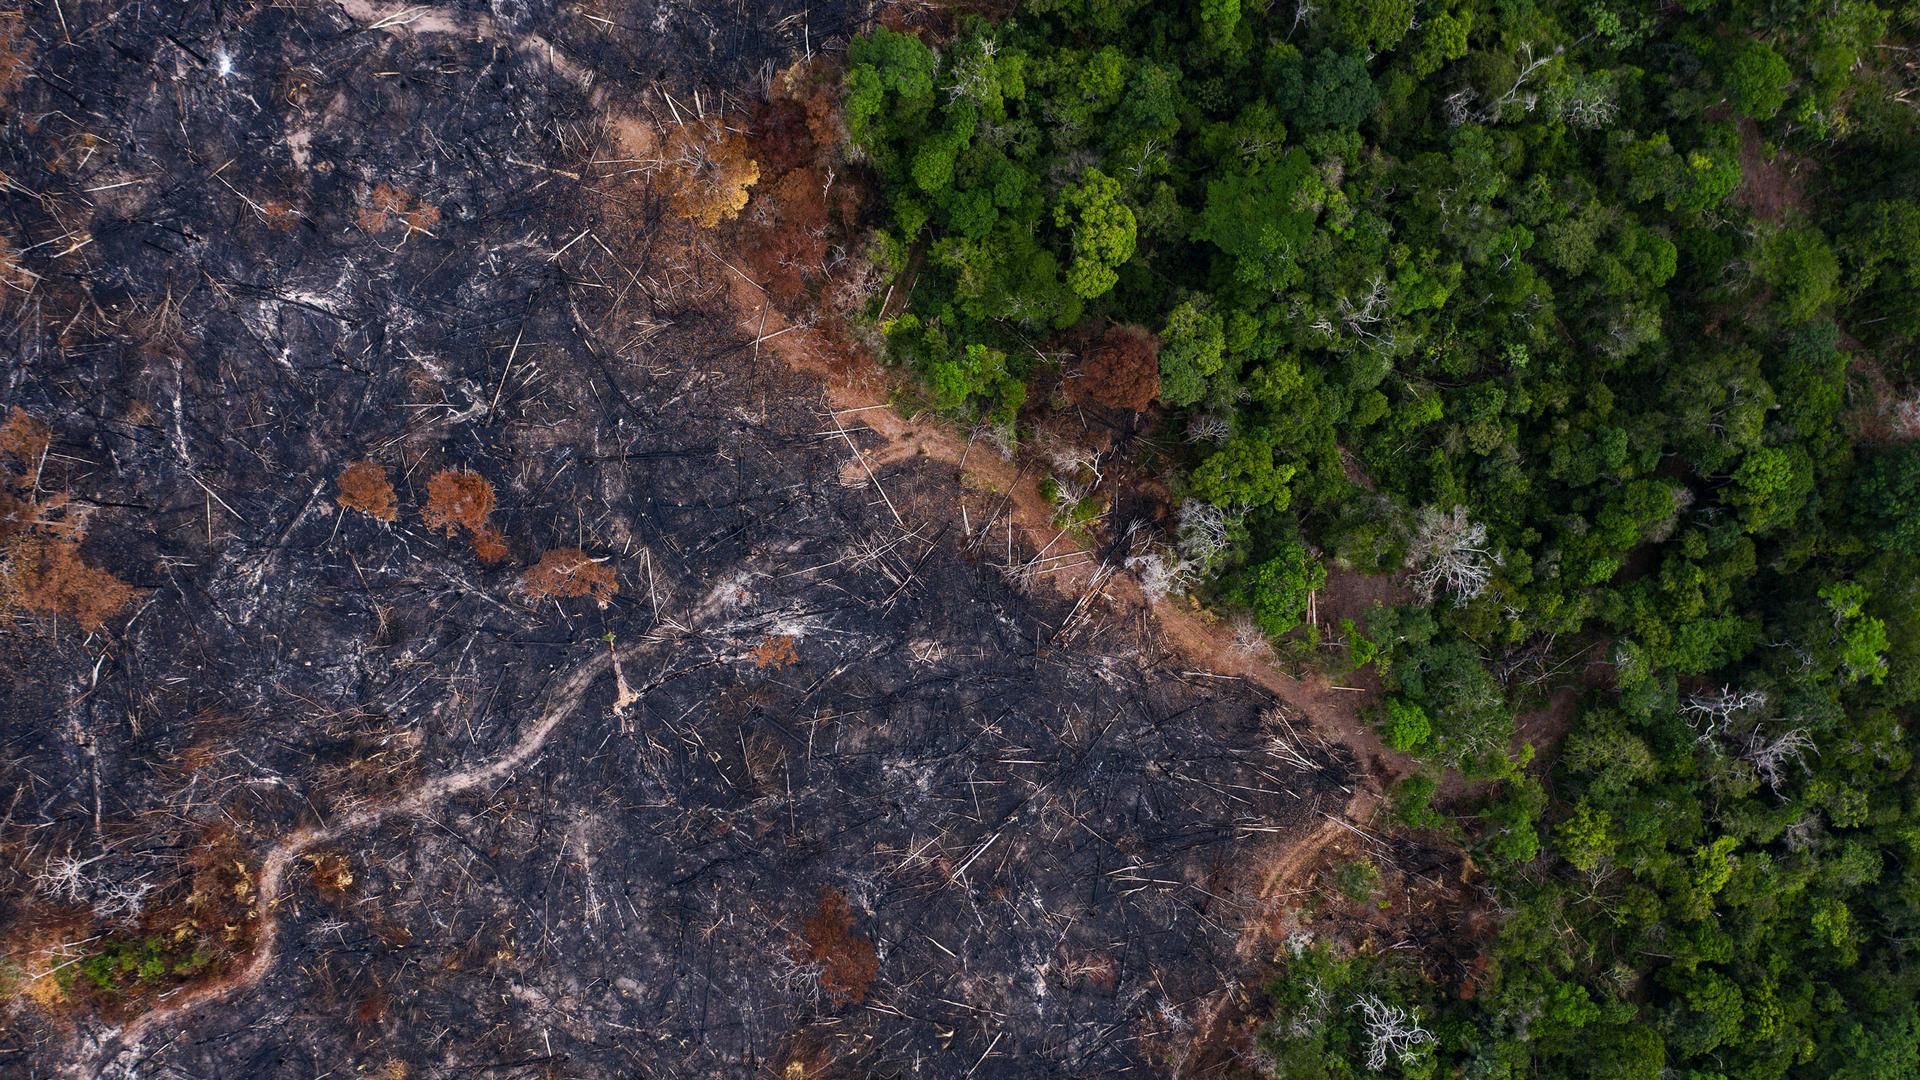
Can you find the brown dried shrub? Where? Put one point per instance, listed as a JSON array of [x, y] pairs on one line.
[[280, 216], [568, 573], [364, 487], [25, 440], [846, 960], [1123, 371], [787, 243], [47, 576], [386, 204], [776, 652], [13, 275], [331, 875], [458, 499], [369, 1012], [41, 568], [708, 172], [16, 52]]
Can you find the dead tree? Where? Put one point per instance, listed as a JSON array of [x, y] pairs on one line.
[[1391, 1031], [1200, 538], [1709, 713], [1770, 757], [1452, 554]]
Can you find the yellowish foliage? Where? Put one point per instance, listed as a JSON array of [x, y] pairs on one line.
[[708, 172]]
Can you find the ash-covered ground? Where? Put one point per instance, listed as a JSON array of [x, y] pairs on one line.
[[851, 804]]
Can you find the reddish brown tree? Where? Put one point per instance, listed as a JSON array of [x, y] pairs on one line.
[[364, 487], [457, 499], [1122, 371], [41, 568], [570, 572], [847, 961]]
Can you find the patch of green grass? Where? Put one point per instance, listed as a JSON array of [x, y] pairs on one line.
[[120, 965]]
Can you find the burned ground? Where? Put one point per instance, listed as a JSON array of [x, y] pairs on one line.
[[534, 835]]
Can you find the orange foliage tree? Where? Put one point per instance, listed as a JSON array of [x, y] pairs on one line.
[[41, 570], [1123, 370], [570, 572], [708, 171], [364, 487], [460, 500]]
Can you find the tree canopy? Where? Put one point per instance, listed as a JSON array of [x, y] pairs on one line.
[[1595, 321]]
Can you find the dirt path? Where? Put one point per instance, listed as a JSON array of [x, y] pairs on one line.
[[858, 390], [563, 701], [854, 387]]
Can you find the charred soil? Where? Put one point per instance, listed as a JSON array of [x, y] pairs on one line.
[[484, 648]]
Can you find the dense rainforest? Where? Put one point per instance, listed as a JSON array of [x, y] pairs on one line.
[[1595, 322]]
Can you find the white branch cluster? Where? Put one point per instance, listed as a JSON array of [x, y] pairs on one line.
[[1159, 575], [1075, 469], [1461, 104], [1592, 111], [1391, 1031], [974, 77], [1207, 427], [1708, 713], [1248, 638], [1770, 757], [1908, 414], [1451, 554], [1203, 530], [1367, 320], [1199, 540], [67, 880], [798, 977]]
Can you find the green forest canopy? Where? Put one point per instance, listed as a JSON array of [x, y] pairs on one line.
[[1580, 316]]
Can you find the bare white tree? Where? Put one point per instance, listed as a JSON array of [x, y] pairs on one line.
[[1247, 635], [1203, 529], [1908, 413], [1161, 574], [1311, 1016], [1770, 757], [1517, 94], [1451, 554], [801, 978], [66, 879], [1303, 13], [1369, 310], [334, 928], [974, 77], [1207, 427], [1708, 713], [1462, 106], [1801, 834], [1200, 538], [1391, 1031], [857, 280], [1459, 106], [1593, 111], [123, 900], [1075, 469]]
